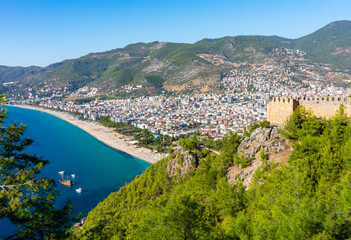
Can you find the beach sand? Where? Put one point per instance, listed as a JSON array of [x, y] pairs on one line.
[[104, 134]]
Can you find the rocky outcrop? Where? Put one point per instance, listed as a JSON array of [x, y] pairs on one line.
[[267, 139], [181, 162]]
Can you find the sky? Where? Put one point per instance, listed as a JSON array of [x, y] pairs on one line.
[[42, 32]]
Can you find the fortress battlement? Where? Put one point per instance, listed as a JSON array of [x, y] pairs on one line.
[[280, 108], [283, 99], [317, 100], [326, 101]]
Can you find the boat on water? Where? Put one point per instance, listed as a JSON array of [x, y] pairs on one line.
[[66, 182], [73, 175], [79, 190], [61, 172]]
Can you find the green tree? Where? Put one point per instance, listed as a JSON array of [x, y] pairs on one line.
[[26, 199], [186, 219], [294, 122]]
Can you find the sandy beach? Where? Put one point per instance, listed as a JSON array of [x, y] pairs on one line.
[[104, 134]]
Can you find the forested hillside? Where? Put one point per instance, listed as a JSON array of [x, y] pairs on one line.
[[164, 66], [308, 196], [330, 44]]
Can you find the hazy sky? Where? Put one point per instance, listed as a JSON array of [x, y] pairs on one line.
[[41, 32]]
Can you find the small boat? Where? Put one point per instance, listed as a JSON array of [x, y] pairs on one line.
[[79, 190], [62, 172], [66, 182], [73, 175]]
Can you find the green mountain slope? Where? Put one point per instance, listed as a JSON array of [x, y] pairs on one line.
[[178, 64], [11, 74], [331, 44]]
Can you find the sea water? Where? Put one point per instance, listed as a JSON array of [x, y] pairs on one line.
[[99, 169]]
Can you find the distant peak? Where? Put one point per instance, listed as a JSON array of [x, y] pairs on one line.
[[338, 23]]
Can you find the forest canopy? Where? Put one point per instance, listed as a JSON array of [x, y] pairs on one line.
[[308, 197]]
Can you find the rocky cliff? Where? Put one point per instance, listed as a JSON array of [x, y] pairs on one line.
[[266, 143], [181, 161]]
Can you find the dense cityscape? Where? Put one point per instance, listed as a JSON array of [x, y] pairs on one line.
[[243, 95]]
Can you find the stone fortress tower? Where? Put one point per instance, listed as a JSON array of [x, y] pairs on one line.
[[279, 109]]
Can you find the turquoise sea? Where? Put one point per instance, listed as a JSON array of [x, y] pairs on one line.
[[99, 169]]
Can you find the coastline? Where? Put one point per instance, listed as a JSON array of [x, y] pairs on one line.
[[104, 134]]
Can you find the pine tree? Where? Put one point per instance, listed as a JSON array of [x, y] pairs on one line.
[[26, 199]]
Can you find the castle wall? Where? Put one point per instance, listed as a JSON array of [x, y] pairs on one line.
[[326, 107], [279, 109]]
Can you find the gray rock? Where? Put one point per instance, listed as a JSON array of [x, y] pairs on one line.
[[255, 133], [189, 161], [275, 131], [280, 149], [268, 139], [261, 138], [267, 133]]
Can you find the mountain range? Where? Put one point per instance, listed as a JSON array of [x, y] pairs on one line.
[[160, 66]]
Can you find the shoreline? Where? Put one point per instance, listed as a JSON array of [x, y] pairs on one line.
[[104, 134]]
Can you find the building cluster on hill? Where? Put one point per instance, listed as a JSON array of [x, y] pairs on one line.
[[85, 92], [238, 99], [246, 93], [280, 81], [174, 116]]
